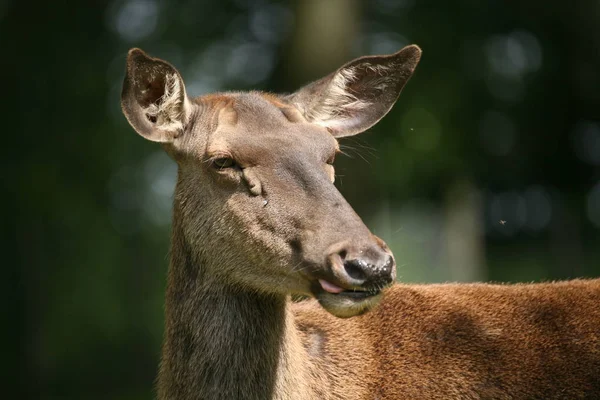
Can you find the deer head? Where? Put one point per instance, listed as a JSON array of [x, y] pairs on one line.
[[255, 199]]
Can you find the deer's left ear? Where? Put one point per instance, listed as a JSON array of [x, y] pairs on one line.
[[359, 94]]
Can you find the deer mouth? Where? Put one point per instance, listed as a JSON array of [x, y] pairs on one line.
[[346, 302], [354, 293]]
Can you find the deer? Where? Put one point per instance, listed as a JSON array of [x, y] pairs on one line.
[[257, 222]]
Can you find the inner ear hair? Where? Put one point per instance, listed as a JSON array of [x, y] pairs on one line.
[[166, 109]]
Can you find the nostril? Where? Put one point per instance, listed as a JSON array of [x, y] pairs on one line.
[[343, 254], [356, 269]]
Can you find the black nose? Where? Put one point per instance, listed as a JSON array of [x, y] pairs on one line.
[[363, 271]]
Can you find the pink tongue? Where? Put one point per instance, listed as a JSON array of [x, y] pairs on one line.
[[330, 287]]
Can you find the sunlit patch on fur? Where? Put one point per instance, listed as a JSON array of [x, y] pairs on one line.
[[315, 342]]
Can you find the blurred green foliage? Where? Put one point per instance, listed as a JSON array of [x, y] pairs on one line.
[[505, 104]]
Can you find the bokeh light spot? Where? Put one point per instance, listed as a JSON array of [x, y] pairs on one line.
[[136, 19], [586, 141]]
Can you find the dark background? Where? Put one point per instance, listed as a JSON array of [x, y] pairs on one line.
[[488, 168]]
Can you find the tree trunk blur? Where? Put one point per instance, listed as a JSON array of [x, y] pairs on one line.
[[464, 237], [324, 32]]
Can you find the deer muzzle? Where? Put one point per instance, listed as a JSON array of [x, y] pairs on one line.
[[354, 278]]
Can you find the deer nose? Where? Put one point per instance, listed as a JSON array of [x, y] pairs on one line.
[[370, 267]]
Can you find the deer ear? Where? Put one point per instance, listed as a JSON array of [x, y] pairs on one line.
[[359, 94], [153, 98]]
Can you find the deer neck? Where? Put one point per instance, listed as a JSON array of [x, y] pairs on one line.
[[222, 342]]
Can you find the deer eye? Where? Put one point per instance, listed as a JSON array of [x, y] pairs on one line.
[[223, 162]]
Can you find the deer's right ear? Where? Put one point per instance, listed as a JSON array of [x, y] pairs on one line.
[[153, 98]]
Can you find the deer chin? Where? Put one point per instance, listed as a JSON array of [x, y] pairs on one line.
[[345, 303], [344, 306]]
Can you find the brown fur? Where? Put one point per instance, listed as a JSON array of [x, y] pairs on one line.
[[257, 218], [469, 341]]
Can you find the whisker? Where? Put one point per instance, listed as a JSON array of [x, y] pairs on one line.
[[291, 272], [397, 231]]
